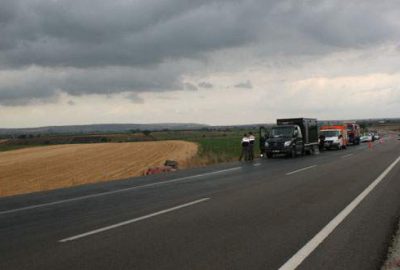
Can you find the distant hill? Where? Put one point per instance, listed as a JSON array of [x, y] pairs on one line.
[[99, 128]]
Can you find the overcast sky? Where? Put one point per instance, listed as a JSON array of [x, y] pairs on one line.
[[212, 62]]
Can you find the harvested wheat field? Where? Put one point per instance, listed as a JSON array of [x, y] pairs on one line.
[[50, 167]]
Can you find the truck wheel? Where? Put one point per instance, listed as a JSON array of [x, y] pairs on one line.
[[269, 155], [314, 150]]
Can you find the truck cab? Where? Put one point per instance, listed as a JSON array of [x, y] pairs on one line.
[[285, 139]]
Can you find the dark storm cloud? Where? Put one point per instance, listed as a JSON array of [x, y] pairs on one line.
[[105, 47], [21, 87], [89, 33]]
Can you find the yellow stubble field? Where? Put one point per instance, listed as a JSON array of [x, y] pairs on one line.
[[51, 167]]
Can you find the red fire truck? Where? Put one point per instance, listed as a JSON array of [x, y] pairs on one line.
[[353, 131]]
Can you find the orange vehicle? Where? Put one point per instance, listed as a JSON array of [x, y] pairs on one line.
[[334, 136]]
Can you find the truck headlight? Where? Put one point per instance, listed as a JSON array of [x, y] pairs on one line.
[[266, 144], [287, 143]]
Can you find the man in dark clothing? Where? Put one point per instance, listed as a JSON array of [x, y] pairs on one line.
[[252, 140], [245, 148]]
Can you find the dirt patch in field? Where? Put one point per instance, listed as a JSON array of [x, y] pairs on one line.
[[51, 167]]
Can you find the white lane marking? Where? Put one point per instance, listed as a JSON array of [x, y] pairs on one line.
[[257, 164], [300, 170], [305, 251], [132, 221], [116, 191], [348, 155]]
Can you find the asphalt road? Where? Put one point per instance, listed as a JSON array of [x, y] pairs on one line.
[[336, 210]]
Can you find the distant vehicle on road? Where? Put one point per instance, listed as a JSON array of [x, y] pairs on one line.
[[334, 137], [291, 137], [353, 132], [366, 138], [375, 136]]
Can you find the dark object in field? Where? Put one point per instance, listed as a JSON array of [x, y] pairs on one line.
[[171, 163]]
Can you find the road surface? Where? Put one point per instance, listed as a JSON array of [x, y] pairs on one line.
[[336, 210]]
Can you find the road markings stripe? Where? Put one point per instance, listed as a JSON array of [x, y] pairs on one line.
[[300, 170], [132, 221], [116, 191], [348, 155], [257, 164], [306, 250]]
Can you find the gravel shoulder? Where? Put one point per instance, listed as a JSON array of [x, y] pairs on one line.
[[393, 260]]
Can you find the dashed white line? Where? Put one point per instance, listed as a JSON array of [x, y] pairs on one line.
[[132, 221], [116, 191], [257, 164], [305, 251], [348, 155], [300, 170]]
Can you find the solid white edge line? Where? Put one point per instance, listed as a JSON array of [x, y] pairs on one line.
[[306, 250], [115, 191], [132, 221], [300, 170]]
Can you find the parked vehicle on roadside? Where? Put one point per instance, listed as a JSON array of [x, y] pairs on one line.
[[335, 137], [366, 138], [291, 137], [375, 136], [353, 132]]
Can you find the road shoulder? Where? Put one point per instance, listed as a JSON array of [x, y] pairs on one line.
[[393, 260]]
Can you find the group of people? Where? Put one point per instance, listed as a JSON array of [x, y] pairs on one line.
[[247, 142]]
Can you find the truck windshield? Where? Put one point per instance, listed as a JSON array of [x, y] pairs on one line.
[[330, 133], [282, 132]]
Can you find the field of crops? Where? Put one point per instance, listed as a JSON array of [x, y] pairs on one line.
[[57, 166], [214, 146]]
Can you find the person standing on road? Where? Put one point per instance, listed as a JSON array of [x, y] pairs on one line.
[[245, 148], [252, 140]]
